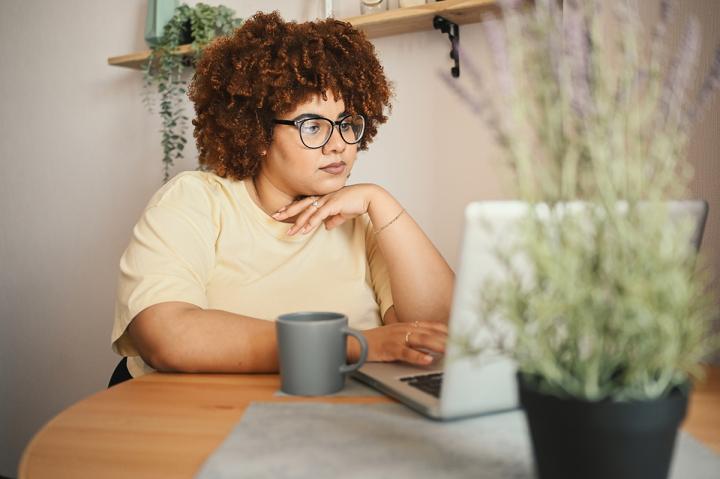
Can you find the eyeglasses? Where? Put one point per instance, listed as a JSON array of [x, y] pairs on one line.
[[316, 131]]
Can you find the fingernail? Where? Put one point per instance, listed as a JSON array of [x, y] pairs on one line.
[[282, 209], [427, 359]]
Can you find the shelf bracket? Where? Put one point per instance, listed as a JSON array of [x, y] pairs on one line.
[[453, 31]]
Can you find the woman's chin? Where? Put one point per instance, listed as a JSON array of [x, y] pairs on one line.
[[329, 186]]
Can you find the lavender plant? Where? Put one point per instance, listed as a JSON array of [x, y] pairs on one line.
[[616, 305]]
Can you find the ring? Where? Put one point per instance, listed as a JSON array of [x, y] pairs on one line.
[[315, 204], [407, 338], [415, 323]]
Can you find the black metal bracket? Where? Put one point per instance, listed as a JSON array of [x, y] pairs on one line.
[[453, 31]]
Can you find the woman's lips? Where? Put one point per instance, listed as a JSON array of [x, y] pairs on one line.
[[334, 168]]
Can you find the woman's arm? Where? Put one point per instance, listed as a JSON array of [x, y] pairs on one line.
[[182, 337], [420, 278], [177, 336]]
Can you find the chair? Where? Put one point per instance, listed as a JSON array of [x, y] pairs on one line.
[[121, 373]]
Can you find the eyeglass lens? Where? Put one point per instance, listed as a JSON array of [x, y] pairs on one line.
[[315, 132]]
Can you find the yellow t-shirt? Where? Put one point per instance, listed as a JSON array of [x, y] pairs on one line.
[[202, 240]]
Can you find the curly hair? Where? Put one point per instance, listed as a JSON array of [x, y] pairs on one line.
[[266, 68]]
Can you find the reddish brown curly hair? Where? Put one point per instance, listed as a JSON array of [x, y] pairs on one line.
[[266, 68]]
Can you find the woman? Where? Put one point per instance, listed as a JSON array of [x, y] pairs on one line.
[[271, 227]]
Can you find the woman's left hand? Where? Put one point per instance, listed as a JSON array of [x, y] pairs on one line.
[[333, 209]]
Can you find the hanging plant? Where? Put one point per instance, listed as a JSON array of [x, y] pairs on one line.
[[196, 26]]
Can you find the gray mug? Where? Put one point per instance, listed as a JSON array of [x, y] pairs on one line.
[[312, 348]]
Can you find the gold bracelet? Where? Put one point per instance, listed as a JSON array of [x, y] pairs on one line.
[[390, 222]]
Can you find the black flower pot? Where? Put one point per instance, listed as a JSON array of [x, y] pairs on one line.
[[185, 36], [602, 440]]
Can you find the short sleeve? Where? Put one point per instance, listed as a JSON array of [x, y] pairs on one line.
[[170, 254], [379, 275]]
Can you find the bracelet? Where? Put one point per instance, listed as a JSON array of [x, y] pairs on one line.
[[390, 222]]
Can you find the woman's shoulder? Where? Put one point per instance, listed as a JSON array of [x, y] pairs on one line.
[[192, 188]]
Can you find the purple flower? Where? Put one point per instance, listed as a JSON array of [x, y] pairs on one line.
[[480, 107], [681, 71], [470, 68], [577, 54], [495, 34], [708, 89]]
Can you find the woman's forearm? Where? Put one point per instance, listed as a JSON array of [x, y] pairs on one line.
[[182, 337], [420, 278]]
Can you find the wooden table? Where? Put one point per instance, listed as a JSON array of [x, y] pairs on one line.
[[166, 425]]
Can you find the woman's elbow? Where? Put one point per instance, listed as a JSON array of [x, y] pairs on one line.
[[154, 352], [153, 341], [161, 360]]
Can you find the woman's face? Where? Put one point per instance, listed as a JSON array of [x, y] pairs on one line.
[[297, 170]]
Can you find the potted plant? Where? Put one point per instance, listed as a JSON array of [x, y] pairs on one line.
[[163, 72], [606, 312]]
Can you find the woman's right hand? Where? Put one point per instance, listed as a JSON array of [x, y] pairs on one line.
[[403, 341]]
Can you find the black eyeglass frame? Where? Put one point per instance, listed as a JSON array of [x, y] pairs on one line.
[[298, 124]]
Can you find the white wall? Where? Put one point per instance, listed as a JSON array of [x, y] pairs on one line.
[[80, 157]]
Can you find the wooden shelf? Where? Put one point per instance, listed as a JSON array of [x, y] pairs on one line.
[[415, 19], [391, 22], [137, 60]]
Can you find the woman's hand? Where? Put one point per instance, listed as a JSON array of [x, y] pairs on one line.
[[332, 209], [408, 342]]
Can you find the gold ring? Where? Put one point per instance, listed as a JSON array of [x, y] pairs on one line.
[[407, 338]]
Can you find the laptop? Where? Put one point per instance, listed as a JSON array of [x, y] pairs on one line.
[[457, 386]]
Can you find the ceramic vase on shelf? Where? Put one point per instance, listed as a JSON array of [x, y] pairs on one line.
[[410, 3], [159, 12], [373, 6], [328, 9]]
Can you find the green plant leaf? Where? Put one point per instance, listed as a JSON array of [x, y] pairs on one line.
[[164, 69]]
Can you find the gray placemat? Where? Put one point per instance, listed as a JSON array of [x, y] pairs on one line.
[[352, 388], [303, 440]]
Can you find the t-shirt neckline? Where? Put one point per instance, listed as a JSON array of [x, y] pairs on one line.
[[277, 229]]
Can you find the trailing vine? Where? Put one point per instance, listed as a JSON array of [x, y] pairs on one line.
[[163, 72]]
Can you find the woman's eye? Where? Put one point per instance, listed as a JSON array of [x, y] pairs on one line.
[[347, 126], [309, 127]]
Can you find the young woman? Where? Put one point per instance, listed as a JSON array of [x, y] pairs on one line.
[[270, 226]]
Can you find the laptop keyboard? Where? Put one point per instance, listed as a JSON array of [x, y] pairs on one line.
[[429, 383]]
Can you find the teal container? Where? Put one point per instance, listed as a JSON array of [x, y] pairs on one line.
[[159, 12]]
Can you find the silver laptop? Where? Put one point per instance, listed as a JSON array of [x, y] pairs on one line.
[[456, 386]]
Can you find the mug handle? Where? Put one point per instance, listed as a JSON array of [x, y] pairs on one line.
[[347, 368]]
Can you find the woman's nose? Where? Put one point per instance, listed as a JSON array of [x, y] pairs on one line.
[[335, 143]]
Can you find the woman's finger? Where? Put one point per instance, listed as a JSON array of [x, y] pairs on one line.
[[294, 208], [428, 342], [334, 221], [438, 326], [316, 218], [302, 219], [412, 356]]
